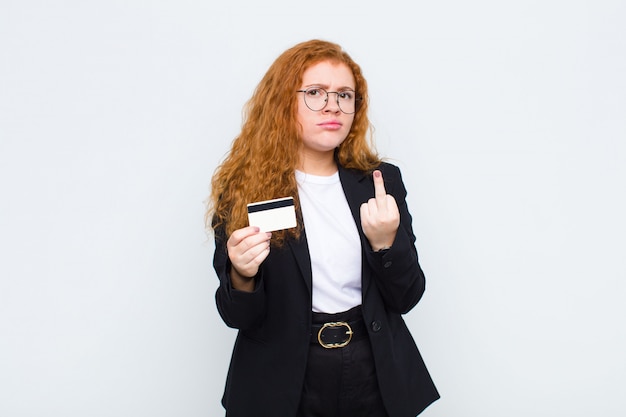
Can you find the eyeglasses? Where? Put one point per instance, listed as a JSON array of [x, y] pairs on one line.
[[316, 98]]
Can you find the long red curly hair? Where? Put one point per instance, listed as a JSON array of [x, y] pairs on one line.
[[263, 158]]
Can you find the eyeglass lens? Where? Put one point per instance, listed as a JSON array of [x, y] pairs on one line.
[[316, 99]]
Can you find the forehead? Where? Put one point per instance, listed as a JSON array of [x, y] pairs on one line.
[[328, 73]]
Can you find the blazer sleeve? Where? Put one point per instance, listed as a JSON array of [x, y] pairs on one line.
[[396, 271], [239, 309]]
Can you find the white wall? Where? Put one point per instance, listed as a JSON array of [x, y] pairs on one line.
[[507, 118]]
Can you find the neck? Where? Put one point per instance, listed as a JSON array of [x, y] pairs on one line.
[[317, 164]]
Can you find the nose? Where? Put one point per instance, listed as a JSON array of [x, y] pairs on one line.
[[332, 103]]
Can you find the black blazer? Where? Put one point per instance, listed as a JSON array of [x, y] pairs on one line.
[[274, 321]]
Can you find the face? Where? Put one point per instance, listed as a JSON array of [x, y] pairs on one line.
[[324, 130]]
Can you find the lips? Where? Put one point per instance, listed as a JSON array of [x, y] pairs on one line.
[[331, 125]]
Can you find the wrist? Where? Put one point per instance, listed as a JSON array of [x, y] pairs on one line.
[[241, 282]]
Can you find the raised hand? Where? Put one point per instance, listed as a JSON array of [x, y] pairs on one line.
[[380, 217], [247, 249]]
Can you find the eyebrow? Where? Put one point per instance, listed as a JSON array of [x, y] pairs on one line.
[[326, 87]]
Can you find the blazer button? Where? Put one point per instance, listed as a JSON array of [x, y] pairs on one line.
[[387, 264], [376, 325]]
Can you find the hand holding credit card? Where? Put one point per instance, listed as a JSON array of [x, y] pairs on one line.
[[271, 215]]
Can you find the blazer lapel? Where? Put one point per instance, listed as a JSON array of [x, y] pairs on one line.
[[300, 250], [358, 188]]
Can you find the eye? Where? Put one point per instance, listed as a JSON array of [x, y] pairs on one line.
[[346, 95], [314, 92]]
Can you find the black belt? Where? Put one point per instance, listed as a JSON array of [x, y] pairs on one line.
[[337, 334]]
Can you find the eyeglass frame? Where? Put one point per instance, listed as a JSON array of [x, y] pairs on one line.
[[357, 99]]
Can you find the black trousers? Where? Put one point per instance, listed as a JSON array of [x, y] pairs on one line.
[[341, 382]]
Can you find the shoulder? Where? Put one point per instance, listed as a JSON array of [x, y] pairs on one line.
[[392, 177], [384, 167], [389, 169]]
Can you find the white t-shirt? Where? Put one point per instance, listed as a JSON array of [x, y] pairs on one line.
[[334, 243]]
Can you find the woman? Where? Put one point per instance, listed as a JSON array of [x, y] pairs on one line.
[[318, 306]]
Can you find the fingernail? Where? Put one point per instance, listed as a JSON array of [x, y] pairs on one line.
[[269, 234], [377, 174]]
